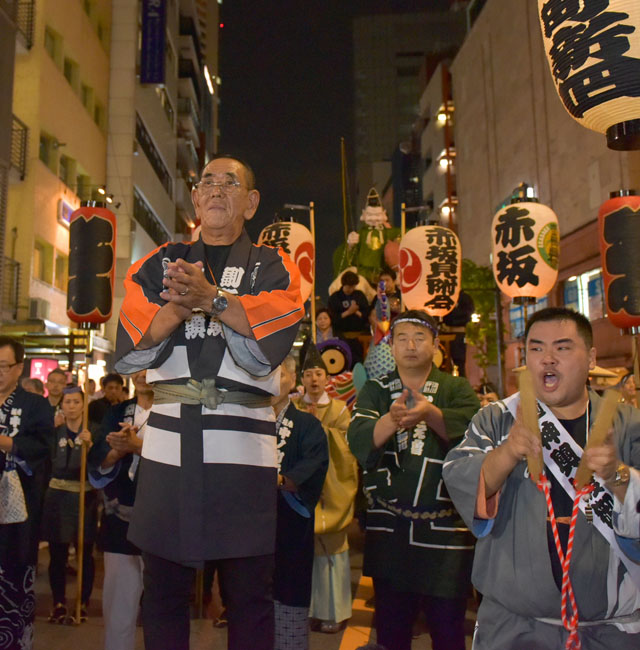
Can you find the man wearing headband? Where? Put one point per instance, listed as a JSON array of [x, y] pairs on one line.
[[523, 565], [331, 584], [417, 549]]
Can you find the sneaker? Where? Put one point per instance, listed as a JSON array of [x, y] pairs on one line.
[[58, 614]]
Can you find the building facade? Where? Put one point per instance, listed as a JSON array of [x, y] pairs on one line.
[[510, 128]]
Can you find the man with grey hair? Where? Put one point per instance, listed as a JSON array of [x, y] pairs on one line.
[[212, 321], [303, 458]]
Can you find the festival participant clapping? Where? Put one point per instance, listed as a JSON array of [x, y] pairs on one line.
[[60, 520]]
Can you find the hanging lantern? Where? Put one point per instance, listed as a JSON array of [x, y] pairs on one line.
[[593, 50], [430, 267], [297, 242], [619, 233], [525, 243], [92, 254]]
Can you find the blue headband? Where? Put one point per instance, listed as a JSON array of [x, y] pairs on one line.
[[418, 321]]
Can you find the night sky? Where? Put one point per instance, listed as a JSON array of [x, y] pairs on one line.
[[287, 98]]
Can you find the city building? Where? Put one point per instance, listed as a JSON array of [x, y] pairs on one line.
[[391, 53], [113, 101], [511, 128]]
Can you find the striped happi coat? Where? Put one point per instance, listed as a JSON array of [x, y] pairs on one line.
[[207, 478]]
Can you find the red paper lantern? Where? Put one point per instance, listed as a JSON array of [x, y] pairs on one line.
[[525, 243], [593, 50], [619, 232], [430, 269], [297, 242], [92, 254]]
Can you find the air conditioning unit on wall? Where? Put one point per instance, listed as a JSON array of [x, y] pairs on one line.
[[39, 308]]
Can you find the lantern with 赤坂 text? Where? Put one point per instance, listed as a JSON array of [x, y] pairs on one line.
[[430, 268], [92, 254], [619, 234], [593, 48], [525, 243], [297, 242]]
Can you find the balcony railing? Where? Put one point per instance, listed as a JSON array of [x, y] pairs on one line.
[[25, 19], [186, 107], [10, 287], [19, 132]]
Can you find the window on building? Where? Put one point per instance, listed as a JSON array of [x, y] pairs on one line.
[[42, 261], [51, 43], [71, 72], [83, 187], [61, 271], [98, 114], [585, 293], [47, 151], [64, 170], [86, 96]]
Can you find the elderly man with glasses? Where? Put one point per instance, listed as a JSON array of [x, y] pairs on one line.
[[211, 320]]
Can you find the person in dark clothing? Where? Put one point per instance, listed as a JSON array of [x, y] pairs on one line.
[[61, 504], [112, 387], [26, 438], [349, 307]]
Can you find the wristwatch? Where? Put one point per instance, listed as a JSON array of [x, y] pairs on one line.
[[621, 477], [219, 303]]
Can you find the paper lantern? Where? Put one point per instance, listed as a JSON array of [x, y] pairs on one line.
[[297, 242], [619, 232], [430, 267], [593, 49], [92, 254], [526, 243]]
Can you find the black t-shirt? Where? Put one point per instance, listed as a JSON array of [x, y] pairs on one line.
[[562, 503], [216, 260]]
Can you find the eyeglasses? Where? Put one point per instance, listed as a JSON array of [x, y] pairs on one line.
[[208, 184], [5, 367]]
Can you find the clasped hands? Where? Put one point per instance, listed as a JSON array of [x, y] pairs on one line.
[[601, 459], [405, 417], [126, 440], [187, 287]]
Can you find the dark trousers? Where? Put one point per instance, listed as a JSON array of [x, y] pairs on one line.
[[59, 554], [247, 583], [396, 612]]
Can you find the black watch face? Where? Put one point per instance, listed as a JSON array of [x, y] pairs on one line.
[[220, 303]]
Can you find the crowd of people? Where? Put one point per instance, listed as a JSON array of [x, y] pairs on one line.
[[218, 462]]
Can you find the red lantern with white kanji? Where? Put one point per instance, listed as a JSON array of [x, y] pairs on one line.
[[525, 245], [593, 49], [92, 256], [297, 242], [430, 269], [619, 233]]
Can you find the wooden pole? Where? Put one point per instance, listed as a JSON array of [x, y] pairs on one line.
[[83, 482], [312, 223], [530, 418]]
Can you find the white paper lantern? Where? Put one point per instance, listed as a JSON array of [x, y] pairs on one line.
[[526, 242], [297, 242], [593, 49], [430, 268]]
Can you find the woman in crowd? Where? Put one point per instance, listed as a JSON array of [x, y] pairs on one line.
[[60, 519]]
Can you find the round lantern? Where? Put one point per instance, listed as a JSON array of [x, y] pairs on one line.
[[297, 242], [619, 231], [525, 243], [430, 269], [92, 254], [593, 49]]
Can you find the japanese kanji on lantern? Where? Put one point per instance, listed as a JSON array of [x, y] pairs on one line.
[[525, 243], [92, 242], [619, 231], [593, 49], [298, 243], [430, 268]]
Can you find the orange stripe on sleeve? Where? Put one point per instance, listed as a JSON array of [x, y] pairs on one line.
[[137, 311], [272, 311]]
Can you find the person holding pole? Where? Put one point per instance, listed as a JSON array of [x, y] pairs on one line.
[[60, 525], [211, 320], [557, 562]]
